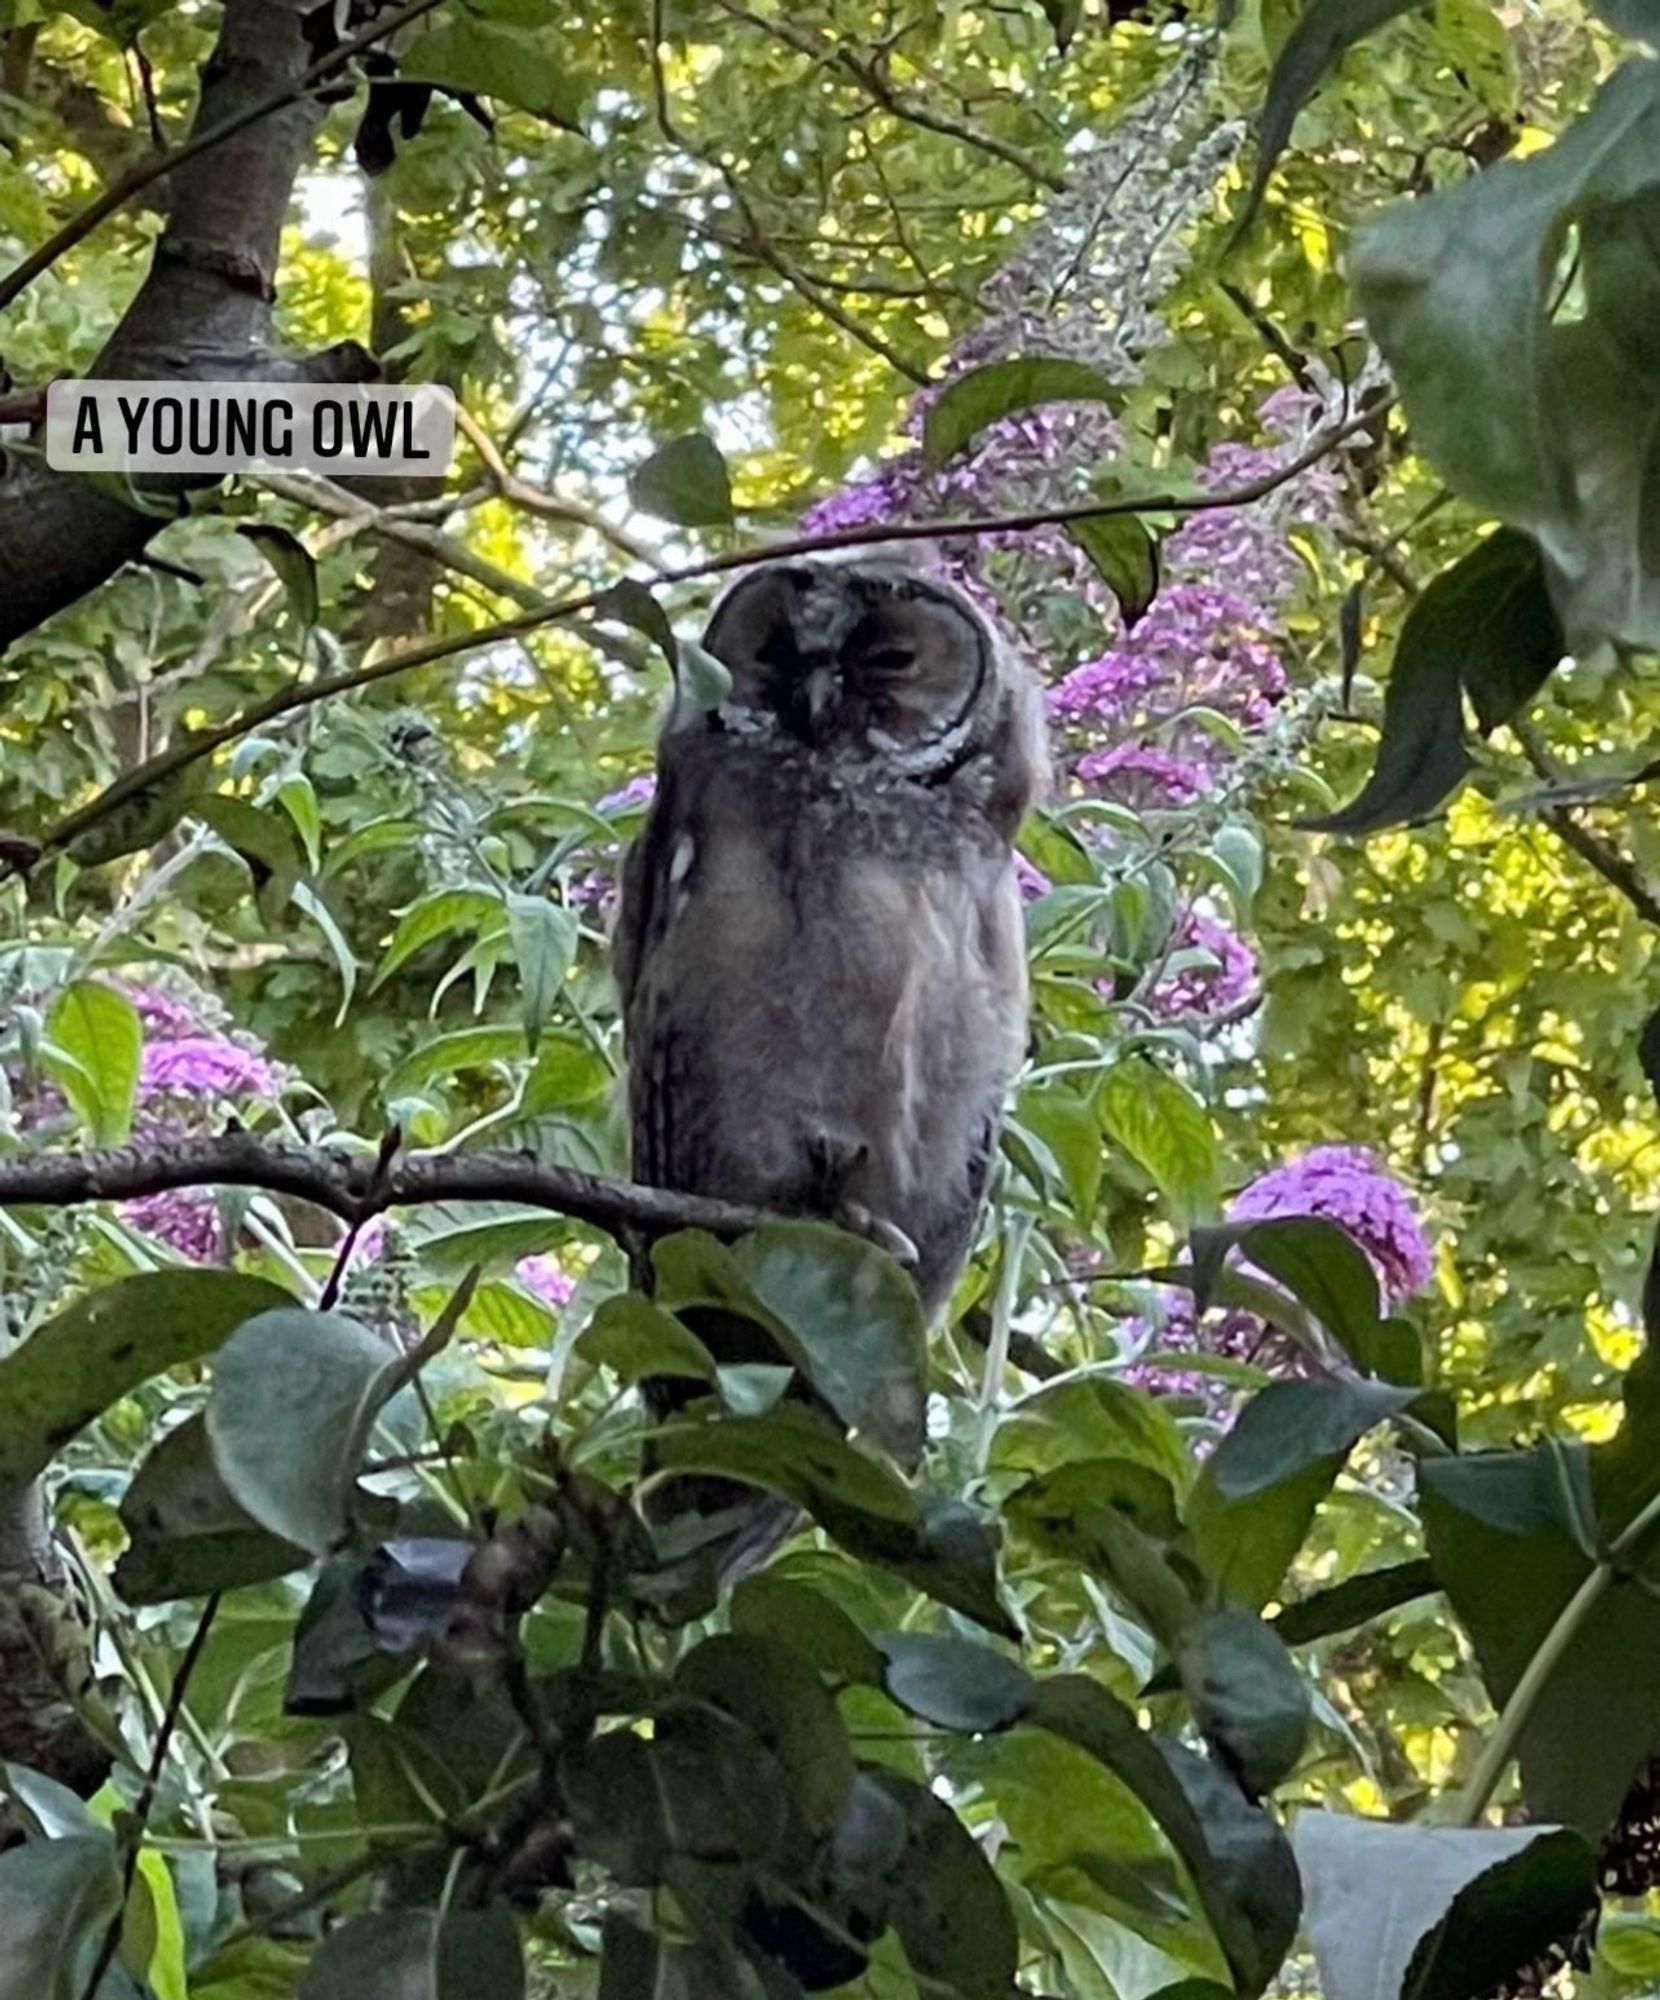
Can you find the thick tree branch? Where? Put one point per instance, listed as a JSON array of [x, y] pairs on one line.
[[299, 695], [204, 309], [353, 1186]]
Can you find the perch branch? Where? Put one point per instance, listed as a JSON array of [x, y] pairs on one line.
[[356, 1186]]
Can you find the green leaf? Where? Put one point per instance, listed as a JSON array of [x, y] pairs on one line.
[[1466, 1906], [954, 1682], [1485, 627], [58, 1897], [512, 65], [142, 818], [635, 1338], [1166, 1131], [1126, 553], [774, 1691], [637, 1965], [448, 1055], [95, 1044], [1063, 17], [418, 1955], [1507, 1534], [295, 1396], [186, 1535], [1239, 1860], [684, 481], [838, 1307], [945, 1900], [267, 842], [544, 938], [1118, 1520], [703, 1789], [968, 403], [1257, 1495], [1355, 1601], [628, 602], [1252, 1706], [73, 1368], [294, 564], [776, 1607], [435, 916], [1325, 31], [1541, 416]]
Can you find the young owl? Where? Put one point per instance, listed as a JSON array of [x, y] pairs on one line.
[[820, 949]]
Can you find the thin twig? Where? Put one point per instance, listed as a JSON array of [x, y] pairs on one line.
[[304, 694], [134, 1833]]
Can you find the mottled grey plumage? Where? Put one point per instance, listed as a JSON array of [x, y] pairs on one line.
[[820, 947]]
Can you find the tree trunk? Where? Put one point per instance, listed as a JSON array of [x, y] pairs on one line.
[[43, 1652]]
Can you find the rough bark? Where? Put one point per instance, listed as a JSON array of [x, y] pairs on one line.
[[42, 1652], [204, 310]]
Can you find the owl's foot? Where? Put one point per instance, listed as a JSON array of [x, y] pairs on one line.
[[888, 1236]]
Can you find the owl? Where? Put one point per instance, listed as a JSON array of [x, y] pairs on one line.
[[820, 945]]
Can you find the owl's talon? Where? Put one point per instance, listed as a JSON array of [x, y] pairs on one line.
[[888, 1236]]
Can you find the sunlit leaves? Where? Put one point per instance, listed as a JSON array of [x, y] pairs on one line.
[[94, 1042]]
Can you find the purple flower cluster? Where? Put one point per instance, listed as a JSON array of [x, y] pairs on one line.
[[1347, 1185], [204, 1066], [1139, 774], [1223, 978], [547, 1278]]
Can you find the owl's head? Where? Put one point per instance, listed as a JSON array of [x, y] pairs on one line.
[[871, 659]]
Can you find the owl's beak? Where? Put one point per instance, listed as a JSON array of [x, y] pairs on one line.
[[819, 694]]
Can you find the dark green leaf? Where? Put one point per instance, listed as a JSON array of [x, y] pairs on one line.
[[1063, 16], [1325, 31], [267, 842], [108, 1342], [186, 1536], [954, 1682], [968, 403], [544, 938], [1126, 553], [1354, 1601], [510, 64], [1251, 1704], [418, 1955], [629, 602], [58, 1897], [295, 566], [635, 1338], [1239, 1859], [777, 1607], [295, 1396], [778, 1694], [945, 1900], [1466, 1907], [1539, 416], [1257, 1494], [684, 481]]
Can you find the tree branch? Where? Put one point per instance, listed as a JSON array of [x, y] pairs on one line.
[[354, 1186], [299, 695]]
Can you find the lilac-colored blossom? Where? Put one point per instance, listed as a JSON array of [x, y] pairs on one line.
[[204, 1066], [1032, 880], [1347, 1185], [186, 1218], [547, 1278], [1142, 775], [164, 1019], [640, 790], [1227, 982]]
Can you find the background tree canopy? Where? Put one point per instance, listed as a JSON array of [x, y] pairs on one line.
[[1254, 1581]]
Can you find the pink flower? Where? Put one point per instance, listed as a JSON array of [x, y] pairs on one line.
[[204, 1065], [1227, 982], [1033, 882], [186, 1218], [1143, 776], [1347, 1185], [165, 1019], [640, 790], [547, 1278]]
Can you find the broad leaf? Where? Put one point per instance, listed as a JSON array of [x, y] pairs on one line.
[[1252, 1706], [544, 938], [1465, 1907], [105, 1345], [58, 1897], [1126, 553], [1166, 1131], [954, 1682], [186, 1535], [684, 481], [294, 564], [778, 1694], [1543, 418], [513, 65], [968, 403], [94, 1045], [635, 1338], [1484, 628], [418, 1955], [945, 1900]]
